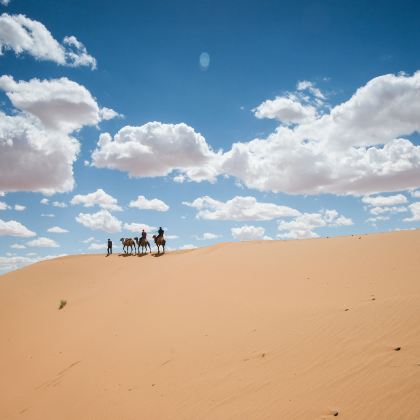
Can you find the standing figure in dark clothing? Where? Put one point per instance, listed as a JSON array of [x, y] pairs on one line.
[[109, 246]]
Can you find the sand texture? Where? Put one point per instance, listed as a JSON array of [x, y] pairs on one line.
[[310, 329]]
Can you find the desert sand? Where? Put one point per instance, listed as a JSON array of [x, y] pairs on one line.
[[308, 329]]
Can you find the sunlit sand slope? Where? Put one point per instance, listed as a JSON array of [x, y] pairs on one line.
[[240, 331]]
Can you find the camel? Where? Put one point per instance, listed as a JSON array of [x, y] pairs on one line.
[[128, 242], [143, 243], [159, 241]]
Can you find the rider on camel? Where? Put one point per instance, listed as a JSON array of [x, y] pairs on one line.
[[160, 232], [143, 235]]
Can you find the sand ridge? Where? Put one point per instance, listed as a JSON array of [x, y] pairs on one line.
[[256, 330]]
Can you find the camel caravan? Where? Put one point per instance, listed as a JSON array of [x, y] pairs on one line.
[[143, 243]]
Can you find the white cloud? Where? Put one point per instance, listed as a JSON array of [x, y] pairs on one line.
[[138, 227], [60, 104], [37, 149], [96, 246], [98, 198], [157, 149], [14, 228], [5, 2], [109, 114], [57, 229], [47, 215], [415, 194], [380, 200], [356, 148], [287, 109], [304, 225], [415, 212], [171, 236], [102, 220], [239, 209], [187, 246], [23, 35], [77, 55], [207, 236], [394, 209], [45, 201], [144, 204], [59, 204], [19, 207], [310, 86], [248, 233], [89, 240], [14, 262], [4, 206], [43, 242], [374, 220], [17, 246]]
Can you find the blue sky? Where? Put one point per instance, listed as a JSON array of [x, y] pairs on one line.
[[304, 123]]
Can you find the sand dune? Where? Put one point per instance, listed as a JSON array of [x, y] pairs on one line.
[[258, 330]]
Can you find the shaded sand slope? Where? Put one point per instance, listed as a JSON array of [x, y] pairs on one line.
[[257, 330]]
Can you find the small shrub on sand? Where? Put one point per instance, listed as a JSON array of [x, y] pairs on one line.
[[62, 304]]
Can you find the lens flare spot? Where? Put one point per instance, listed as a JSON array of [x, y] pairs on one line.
[[204, 61]]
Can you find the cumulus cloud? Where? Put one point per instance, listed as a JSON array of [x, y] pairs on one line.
[[157, 149], [60, 104], [239, 209], [171, 237], [144, 204], [14, 228], [45, 201], [306, 85], [415, 194], [386, 209], [43, 242], [57, 229], [138, 227], [287, 109], [37, 150], [380, 200], [59, 204], [22, 35], [19, 207], [102, 220], [187, 246], [17, 246], [207, 236], [96, 246], [5, 2], [374, 220], [14, 262], [356, 148], [415, 212], [4, 206], [248, 233], [304, 225], [98, 198], [89, 240]]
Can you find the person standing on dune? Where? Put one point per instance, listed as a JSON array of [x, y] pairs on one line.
[[109, 246]]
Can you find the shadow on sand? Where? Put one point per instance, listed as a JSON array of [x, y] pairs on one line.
[[127, 255], [158, 255], [142, 255]]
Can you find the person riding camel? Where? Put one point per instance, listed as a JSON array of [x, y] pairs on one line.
[[160, 232], [143, 235]]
